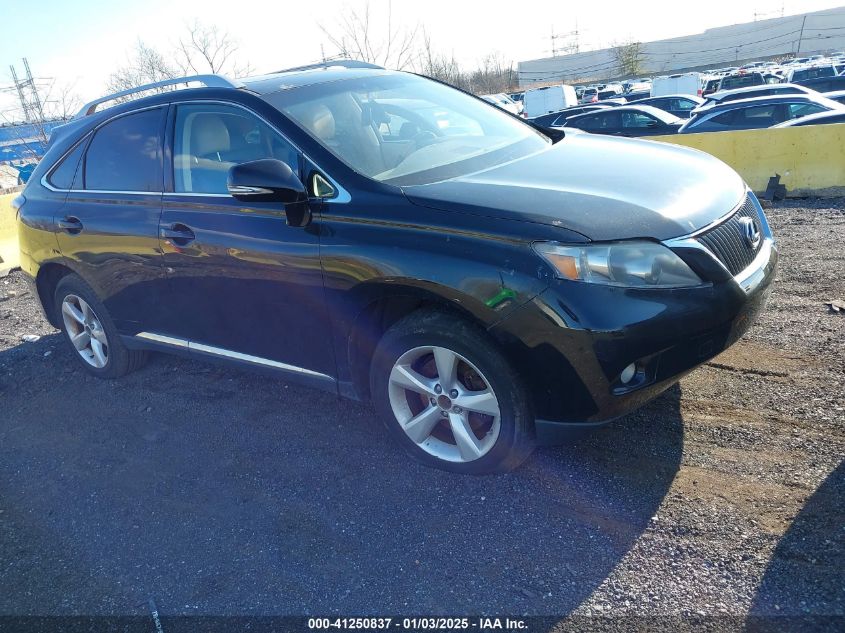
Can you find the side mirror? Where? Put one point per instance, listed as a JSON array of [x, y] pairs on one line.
[[265, 180]]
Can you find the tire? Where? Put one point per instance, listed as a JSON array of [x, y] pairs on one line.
[[84, 318], [439, 414]]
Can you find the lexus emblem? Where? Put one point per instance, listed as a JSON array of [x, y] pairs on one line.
[[750, 231]]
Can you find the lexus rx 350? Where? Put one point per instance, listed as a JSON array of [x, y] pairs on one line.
[[386, 237]]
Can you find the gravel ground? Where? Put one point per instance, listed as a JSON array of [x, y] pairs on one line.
[[216, 492]]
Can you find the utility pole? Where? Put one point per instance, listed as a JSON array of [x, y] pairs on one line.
[[33, 110], [801, 35], [19, 88], [36, 98]]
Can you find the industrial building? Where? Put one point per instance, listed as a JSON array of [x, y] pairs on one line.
[[796, 35]]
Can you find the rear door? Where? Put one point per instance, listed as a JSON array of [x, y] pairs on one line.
[[108, 226], [242, 284]]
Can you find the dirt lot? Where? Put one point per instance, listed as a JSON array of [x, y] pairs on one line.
[[218, 492]]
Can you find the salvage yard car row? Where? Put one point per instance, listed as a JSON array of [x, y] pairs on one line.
[[803, 91]]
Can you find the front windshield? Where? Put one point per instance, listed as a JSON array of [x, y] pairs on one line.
[[404, 129]]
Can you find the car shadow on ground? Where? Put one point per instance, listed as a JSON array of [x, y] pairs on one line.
[[215, 491], [806, 575]]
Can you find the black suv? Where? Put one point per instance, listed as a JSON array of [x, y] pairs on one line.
[[383, 236]]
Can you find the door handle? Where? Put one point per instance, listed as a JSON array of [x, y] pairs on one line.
[[179, 234], [71, 225]]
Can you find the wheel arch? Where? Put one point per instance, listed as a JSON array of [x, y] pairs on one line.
[[387, 304], [46, 280]]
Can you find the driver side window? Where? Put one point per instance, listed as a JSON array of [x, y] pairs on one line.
[[209, 139], [637, 120]]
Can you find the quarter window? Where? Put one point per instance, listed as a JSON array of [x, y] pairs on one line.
[[63, 175], [803, 109], [210, 139], [125, 154]]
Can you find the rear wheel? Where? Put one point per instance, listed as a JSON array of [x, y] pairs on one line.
[[89, 331], [449, 396]]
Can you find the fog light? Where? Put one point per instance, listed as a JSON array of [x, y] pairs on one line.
[[628, 373]]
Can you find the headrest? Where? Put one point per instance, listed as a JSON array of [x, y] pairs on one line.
[[209, 135], [320, 121]]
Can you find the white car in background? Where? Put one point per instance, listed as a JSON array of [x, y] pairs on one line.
[[504, 102]]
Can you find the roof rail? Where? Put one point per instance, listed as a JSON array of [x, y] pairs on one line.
[[210, 81], [343, 63]]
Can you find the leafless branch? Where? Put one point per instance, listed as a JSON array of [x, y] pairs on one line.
[[355, 36], [206, 49]]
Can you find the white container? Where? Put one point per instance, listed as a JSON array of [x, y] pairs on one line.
[[688, 84], [539, 101]]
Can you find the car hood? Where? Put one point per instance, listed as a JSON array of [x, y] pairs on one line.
[[602, 187]]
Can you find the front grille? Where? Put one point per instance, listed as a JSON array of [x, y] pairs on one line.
[[727, 240]]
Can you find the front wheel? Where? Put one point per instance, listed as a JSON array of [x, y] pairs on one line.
[[449, 397]]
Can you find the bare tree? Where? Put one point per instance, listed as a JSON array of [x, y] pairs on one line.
[[628, 57], [204, 49], [145, 65], [439, 66], [356, 37], [207, 49], [61, 101], [493, 75]]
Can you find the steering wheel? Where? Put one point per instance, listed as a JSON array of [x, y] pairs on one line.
[[426, 137]]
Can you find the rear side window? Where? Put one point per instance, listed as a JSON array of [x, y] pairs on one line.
[[741, 81], [813, 73], [63, 174], [125, 154], [680, 105], [637, 120], [754, 116], [587, 123]]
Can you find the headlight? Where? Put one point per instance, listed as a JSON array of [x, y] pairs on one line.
[[631, 264]]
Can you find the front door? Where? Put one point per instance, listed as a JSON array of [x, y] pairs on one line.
[[242, 283]]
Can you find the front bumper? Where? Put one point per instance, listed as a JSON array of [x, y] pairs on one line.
[[572, 342]]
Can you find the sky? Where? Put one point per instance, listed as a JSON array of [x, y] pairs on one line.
[[81, 42]]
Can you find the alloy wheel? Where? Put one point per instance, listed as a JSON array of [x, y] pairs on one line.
[[444, 404], [85, 331]]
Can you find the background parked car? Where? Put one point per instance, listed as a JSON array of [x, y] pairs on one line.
[[711, 86], [637, 95], [820, 118], [825, 84], [810, 72], [765, 90], [633, 120], [556, 119], [504, 102], [742, 80], [679, 105], [838, 96], [638, 85], [590, 95], [760, 112]]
